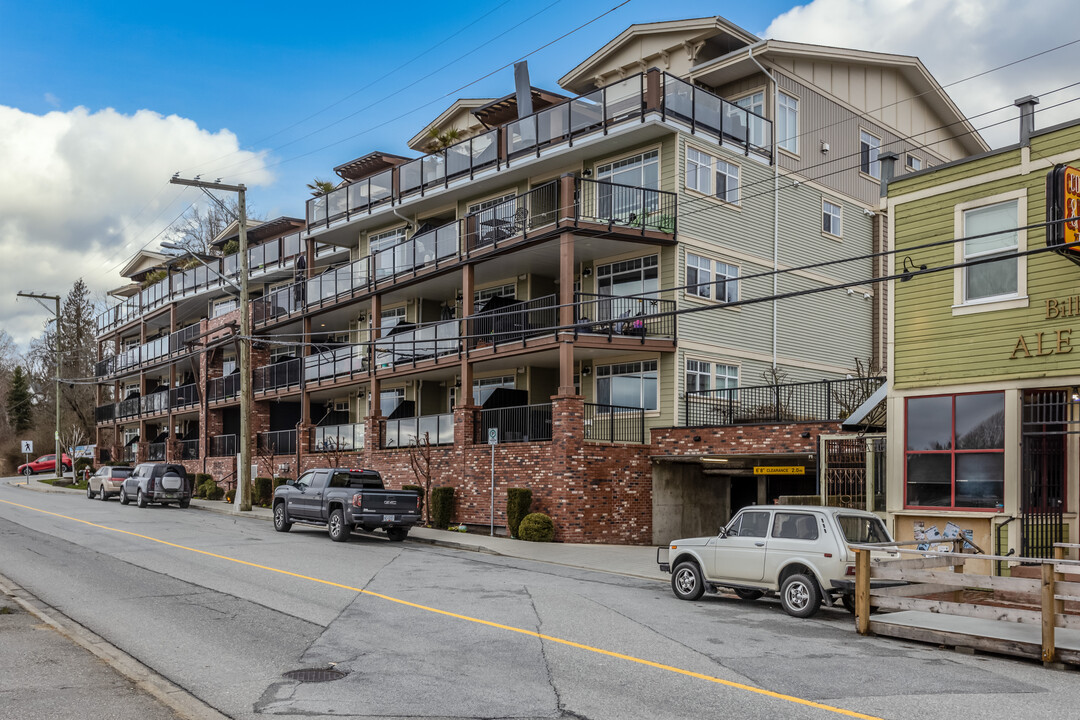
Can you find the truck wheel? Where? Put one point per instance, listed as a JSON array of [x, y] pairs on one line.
[[799, 596], [339, 529], [686, 581], [140, 499], [748, 594], [397, 534], [281, 524], [184, 503]]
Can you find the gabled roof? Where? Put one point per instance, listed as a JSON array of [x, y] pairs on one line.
[[505, 109], [739, 64], [580, 78], [368, 165], [456, 108], [259, 230], [142, 261]]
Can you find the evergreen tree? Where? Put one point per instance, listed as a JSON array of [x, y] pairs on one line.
[[18, 401]]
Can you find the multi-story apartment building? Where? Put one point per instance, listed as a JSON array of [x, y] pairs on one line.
[[983, 391], [579, 283]]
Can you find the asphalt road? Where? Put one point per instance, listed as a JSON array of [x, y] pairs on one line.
[[224, 606]]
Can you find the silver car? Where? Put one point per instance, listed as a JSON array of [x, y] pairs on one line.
[[107, 482]]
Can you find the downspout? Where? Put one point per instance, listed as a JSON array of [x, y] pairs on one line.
[[776, 196], [407, 221]]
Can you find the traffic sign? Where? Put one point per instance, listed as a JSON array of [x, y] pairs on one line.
[[493, 436], [27, 447]]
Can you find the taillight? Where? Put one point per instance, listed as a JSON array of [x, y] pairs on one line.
[[358, 499], [150, 484], [850, 570]]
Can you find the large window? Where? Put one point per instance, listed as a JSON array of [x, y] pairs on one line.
[[390, 399], [384, 261], [991, 279], [628, 384], [712, 176], [507, 291], [390, 317], [955, 451], [869, 149], [636, 172], [787, 122], [755, 103], [629, 277], [711, 278]]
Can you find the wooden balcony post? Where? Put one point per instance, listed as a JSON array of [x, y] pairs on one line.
[[862, 591], [465, 396], [653, 97], [1049, 613], [566, 314], [566, 200]]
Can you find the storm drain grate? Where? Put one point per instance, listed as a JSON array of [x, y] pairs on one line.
[[314, 675]]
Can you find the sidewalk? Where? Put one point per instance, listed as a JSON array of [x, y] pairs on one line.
[[630, 560]]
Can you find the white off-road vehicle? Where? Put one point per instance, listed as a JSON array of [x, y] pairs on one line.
[[800, 551]]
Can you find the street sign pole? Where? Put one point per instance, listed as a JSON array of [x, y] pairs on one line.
[[493, 440], [27, 449]]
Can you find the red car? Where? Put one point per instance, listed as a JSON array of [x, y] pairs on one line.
[[45, 463]]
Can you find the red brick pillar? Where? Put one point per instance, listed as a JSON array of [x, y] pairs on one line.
[[569, 484]]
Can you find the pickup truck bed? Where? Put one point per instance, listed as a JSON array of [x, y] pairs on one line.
[[344, 500]]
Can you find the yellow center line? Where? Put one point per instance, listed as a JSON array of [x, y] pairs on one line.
[[446, 613]]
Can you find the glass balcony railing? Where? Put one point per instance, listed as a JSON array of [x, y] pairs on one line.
[[223, 446], [277, 442], [421, 342], [435, 429], [277, 376], [223, 388], [342, 362], [336, 438]]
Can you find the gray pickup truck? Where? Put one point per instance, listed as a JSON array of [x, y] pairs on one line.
[[343, 500]]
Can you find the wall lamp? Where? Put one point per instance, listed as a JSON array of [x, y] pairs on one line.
[[907, 272], [586, 370]]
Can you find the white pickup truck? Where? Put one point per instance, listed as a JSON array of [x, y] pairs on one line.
[[800, 551]]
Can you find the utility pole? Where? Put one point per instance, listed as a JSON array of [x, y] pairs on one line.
[[59, 464], [243, 472]]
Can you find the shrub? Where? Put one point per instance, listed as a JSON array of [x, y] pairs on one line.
[[278, 482], [261, 490], [83, 463], [442, 506], [201, 479], [213, 491], [536, 527], [417, 488], [518, 502]]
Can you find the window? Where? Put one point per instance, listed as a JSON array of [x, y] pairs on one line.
[[727, 377], [391, 317], [378, 246], [753, 523], [704, 275], [787, 122], [795, 526], [495, 215], [869, 149], [482, 389], [698, 375], [755, 103], [955, 451], [228, 363], [830, 218], [389, 400], [492, 202], [914, 163], [629, 277], [701, 171], [225, 305], [993, 279], [627, 384], [509, 290], [617, 203]]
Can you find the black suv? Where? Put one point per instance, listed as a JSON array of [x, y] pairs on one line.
[[156, 482]]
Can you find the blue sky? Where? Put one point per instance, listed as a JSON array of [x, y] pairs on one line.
[[100, 102]]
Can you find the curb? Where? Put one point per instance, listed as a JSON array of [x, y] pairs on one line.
[[176, 698]]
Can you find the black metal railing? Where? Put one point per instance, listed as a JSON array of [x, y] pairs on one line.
[[637, 316], [180, 341], [514, 217], [155, 403], [279, 375], [525, 423], [514, 322], [708, 113], [821, 401], [336, 438], [614, 423], [155, 452], [278, 442], [184, 396], [437, 429], [223, 446], [631, 207], [128, 454], [189, 449], [422, 250], [105, 413], [223, 388], [128, 408]]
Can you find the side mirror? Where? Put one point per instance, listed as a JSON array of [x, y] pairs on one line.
[[290, 482], [723, 532]]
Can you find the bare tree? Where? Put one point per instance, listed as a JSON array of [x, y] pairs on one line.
[[420, 462], [196, 230], [849, 396]]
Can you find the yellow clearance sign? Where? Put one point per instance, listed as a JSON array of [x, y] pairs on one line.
[[780, 470]]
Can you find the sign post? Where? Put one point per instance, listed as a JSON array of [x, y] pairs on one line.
[[27, 450], [493, 440]]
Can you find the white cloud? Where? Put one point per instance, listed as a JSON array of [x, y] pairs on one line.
[[956, 39], [81, 191], [52, 100]]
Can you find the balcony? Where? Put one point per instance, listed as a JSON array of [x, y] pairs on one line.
[[614, 424], [277, 376], [155, 452], [223, 446], [189, 449], [184, 396], [336, 438], [822, 401], [638, 316], [154, 403], [223, 388], [526, 423], [341, 363], [403, 432], [277, 442], [153, 351], [128, 408], [417, 343], [593, 114], [105, 413]]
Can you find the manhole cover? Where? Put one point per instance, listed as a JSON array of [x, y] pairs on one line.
[[314, 675]]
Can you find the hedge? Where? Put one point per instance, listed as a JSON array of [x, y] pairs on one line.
[[262, 488], [442, 506], [518, 502], [537, 527]]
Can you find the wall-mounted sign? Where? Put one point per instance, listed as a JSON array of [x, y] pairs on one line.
[[780, 470], [1062, 208]]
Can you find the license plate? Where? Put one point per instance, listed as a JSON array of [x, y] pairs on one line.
[[389, 518], [170, 496]]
